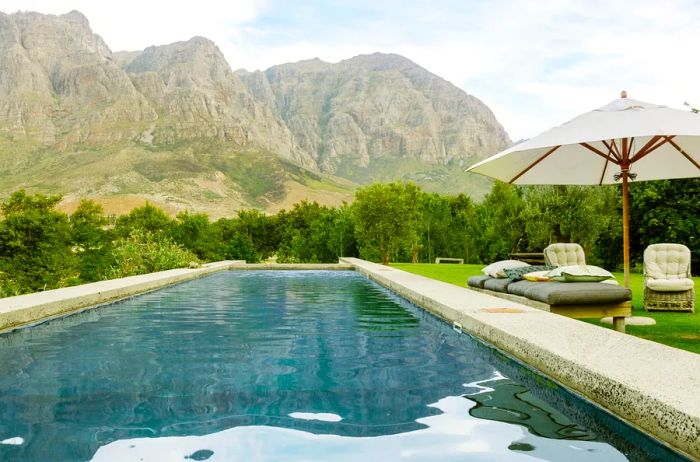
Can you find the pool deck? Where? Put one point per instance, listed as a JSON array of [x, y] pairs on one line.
[[653, 387]]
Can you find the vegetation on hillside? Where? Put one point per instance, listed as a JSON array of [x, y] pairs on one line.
[[42, 248]]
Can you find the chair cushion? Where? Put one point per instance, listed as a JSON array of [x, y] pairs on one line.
[[478, 281], [496, 270], [582, 293], [498, 285], [564, 254], [669, 285], [667, 261]]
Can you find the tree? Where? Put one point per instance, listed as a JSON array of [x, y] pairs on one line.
[[35, 244], [195, 233], [665, 211], [341, 233], [235, 244], [86, 223], [499, 224], [312, 233], [561, 213], [261, 230], [147, 218], [463, 229], [386, 218], [91, 242]]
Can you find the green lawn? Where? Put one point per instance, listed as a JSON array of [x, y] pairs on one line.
[[680, 330]]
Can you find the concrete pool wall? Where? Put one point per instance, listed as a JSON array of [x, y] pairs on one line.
[[653, 387]]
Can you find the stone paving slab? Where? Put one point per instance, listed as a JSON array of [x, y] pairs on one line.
[[29, 309], [653, 387]]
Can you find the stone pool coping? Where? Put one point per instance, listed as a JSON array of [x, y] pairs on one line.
[[654, 387], [29, 309]]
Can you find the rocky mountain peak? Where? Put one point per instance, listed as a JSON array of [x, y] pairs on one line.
[[370, 117], [380, 61], [77, 17], [194, 62]]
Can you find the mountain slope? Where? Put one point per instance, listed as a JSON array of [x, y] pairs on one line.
[[175, 125]]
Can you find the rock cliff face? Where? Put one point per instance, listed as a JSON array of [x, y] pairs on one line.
[[196, 95], [376, 106], [59, 85], [63, 92]]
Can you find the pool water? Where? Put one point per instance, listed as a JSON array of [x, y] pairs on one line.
[[284, 365]]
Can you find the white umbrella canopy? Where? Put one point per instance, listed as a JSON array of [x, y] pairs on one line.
[[626, 139]]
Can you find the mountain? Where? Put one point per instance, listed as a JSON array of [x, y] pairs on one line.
[[174, 125]]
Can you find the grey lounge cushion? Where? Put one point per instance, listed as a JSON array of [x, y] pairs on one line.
[[478, 281], [581, 293], [498, 285], [519, 287]]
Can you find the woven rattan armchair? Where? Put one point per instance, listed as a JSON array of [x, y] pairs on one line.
[[667, 282]]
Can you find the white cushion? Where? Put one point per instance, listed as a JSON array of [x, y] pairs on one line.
[[495, 270], [670, 285], [667, 261], [580, 273], [564, 254]]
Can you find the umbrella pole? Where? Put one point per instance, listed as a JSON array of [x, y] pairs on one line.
[[626, 225]]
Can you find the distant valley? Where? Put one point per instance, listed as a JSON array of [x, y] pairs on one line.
[[176, 126]]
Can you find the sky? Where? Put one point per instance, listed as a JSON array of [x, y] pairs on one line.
[[535, 63]]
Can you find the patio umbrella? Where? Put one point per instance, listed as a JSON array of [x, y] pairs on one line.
[[622, 141]]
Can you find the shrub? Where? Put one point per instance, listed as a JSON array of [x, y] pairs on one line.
[[143, 252]]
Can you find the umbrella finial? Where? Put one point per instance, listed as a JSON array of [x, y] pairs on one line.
[[623, 94]]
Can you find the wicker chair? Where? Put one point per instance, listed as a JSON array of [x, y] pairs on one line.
[[564, 254], [667, 282]]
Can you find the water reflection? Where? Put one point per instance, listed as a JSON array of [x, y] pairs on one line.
[[452, 435], [504, 400]]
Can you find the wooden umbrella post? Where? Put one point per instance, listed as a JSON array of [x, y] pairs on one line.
[[625, 171], [626, 223]]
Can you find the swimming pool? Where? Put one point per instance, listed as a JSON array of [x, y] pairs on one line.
[[284, 365]]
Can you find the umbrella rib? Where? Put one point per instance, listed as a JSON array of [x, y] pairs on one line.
[[680, 149], [602, 175], [612, 148], [612, 159], [650, 147], [545, 155]]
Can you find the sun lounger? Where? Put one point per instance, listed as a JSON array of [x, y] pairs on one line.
[[575, 300]]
